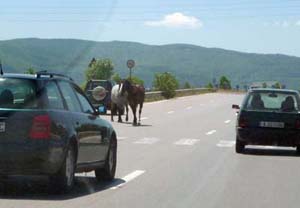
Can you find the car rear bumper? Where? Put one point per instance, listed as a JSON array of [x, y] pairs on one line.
[[269, 136], [40, 158]]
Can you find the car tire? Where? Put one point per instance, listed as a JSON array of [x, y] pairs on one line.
[[63, 180], [107, 173], [239, 146]]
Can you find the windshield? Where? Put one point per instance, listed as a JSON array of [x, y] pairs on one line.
[[17, 93]]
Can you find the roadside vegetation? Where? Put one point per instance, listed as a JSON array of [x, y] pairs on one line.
[[167, 83]]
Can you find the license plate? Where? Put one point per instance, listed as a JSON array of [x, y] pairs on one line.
[[2, 126], [271, 124]]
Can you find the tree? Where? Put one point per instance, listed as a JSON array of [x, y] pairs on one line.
[[187, 85], [116, 77], [225, 83], [99, 69], [30, 71], [136, 80], [264, 85], [167, 83], [209, 85], [277, 85]]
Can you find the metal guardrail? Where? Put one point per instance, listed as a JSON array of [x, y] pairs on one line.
[[157, 95]]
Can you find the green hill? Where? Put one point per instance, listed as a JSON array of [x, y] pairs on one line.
[[195, 64]]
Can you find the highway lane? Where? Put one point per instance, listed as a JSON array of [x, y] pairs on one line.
[[182, 156]]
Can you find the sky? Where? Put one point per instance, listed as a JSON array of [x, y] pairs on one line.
[[256, 26]]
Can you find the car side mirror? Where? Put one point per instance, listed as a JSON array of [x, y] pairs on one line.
[[237, 107]]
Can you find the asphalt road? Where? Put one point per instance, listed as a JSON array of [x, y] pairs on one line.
[[181, 156]]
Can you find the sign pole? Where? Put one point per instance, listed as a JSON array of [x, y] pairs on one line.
[[130, 65]]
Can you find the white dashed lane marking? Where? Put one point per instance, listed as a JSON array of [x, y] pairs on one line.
[[171, 112], [144, 118], [129, 178], [226, 143], [227, 121], [187, 141], [211, 132], [147, 140]]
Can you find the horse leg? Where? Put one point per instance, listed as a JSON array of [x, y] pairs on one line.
[[140, 111], [112, 112], [133, 108], [126, 106], [119, 114]]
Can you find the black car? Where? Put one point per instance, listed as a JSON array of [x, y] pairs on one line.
[[99, 93], [268, 117], [48, 127]]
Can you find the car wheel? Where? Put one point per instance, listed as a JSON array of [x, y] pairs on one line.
[[239, 146], [63, 180], [107, 173]]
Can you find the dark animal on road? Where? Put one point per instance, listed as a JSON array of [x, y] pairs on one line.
[[135, 97], [119, 102]]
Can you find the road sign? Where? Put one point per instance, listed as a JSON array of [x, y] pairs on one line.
[[130, 63]]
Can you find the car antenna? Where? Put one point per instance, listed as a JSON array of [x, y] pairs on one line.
[[1, 69]]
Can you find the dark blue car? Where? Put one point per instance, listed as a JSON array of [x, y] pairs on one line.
[[48, 127], [268, 117]]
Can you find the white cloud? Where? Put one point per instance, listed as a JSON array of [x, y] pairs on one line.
[[298, 23], [176, 20]]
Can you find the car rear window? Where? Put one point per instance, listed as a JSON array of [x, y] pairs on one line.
[[17, 93], [273, 101]]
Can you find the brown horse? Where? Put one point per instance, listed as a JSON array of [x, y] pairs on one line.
[[135, 97]]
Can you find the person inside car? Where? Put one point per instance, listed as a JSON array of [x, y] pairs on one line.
[[257, 102], [288, 104]]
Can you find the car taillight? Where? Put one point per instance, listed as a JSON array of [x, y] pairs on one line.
[[40, 128], [297, 124], [243, 122]]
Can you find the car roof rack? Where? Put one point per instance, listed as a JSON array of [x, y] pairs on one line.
[[51, 75]]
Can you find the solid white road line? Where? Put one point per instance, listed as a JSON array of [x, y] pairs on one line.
[[171, 112], [147, 140], [187, 141], [227, 122], [129, 178], [211, 132]]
